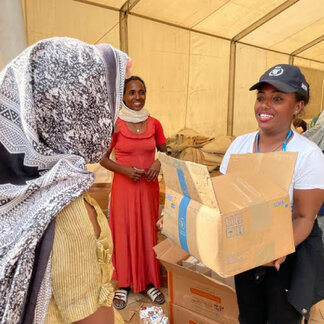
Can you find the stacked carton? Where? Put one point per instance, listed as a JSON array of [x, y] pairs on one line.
[[231, 223], [195, 297]]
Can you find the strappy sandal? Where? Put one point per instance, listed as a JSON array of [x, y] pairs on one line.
[[120, 299], [155, 295]]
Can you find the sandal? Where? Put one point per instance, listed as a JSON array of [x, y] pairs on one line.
[[120, 299], [155, 295]]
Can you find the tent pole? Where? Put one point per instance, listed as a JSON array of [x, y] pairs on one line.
[[275, 12], [307, 46], [123, 23], [123, 31], [231, 89], [96, 4]]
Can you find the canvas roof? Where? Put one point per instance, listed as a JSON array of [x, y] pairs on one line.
[[198, 57]]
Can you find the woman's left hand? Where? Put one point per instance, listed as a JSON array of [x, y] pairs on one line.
[[276, 263], [153, 171], [159, 224]]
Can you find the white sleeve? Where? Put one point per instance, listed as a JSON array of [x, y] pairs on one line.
[[224, 164], [232, 149], [310, 170]]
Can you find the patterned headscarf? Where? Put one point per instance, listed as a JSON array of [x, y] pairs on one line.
[[59, 100]]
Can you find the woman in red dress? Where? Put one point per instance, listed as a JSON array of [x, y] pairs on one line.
[[134, 202]]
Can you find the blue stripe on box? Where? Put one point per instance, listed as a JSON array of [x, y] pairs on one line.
[[182, 214], [182, 182]]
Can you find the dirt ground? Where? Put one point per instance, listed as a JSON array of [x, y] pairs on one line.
[[130, 314]]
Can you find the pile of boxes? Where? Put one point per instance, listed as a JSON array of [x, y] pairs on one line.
[[231, 223], [196, 294]]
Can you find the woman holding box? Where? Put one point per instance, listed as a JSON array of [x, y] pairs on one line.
[[284, 290]]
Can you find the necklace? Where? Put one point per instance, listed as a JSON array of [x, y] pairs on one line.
[[137, 128], [284, 145]]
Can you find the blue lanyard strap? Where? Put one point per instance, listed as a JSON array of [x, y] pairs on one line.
[[284, 145]]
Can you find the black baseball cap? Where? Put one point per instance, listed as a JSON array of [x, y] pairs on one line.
[[284, 77]]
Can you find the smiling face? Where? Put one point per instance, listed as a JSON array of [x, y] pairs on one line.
[[274, 110], [135, 95]]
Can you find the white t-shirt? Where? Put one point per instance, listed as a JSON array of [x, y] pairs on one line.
[[309, 168]]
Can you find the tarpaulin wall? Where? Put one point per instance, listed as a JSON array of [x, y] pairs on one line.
[[190, 78]]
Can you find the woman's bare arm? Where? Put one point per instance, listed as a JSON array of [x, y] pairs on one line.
[[154, 169], [131, 172], [162, 148], [306, 206]]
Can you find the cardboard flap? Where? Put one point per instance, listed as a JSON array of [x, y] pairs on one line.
[[189, 179], [171, 255], [238, 190], [170, 252], [277, 166]]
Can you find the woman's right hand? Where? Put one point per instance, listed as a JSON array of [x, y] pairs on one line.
[[276, 263], [159, 223], [134, 173]]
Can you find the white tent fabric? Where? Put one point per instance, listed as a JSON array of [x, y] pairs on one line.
[[198, 57]]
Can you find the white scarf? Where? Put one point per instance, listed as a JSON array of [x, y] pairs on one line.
[[131, 115]]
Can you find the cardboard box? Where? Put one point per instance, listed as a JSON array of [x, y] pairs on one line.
[[231, 222], [190, 262], [195, 291], [182, 315]]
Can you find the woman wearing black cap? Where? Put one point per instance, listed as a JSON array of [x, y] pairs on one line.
[[284, 290]]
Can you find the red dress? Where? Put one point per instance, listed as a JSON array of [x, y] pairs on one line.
[[134, 208]]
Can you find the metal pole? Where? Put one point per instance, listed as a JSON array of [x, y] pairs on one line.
[[12, 30]]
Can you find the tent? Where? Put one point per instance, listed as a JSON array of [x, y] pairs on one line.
[[197, 57]]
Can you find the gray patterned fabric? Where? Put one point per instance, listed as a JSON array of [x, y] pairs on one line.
[[43, 298], [56, 114], [316, 133]]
